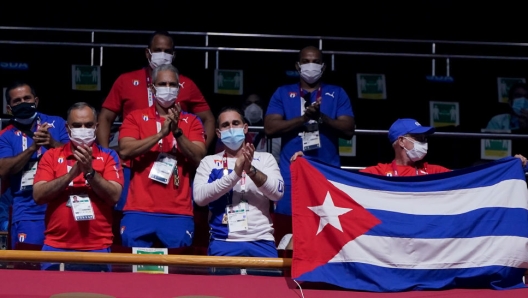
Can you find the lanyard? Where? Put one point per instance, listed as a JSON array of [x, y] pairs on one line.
[[224, 164], [25, 141], [149, 92], [395, 169], [318, 96], [158, 128], [242, 180], [226, 172]]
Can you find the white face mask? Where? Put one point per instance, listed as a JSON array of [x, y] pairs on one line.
[[253, 113], [166, 96], [520, 104], [311, 72], [418, 152], [159, 58], [82, 136]]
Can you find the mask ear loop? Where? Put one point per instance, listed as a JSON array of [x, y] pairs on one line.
[[150, 60]]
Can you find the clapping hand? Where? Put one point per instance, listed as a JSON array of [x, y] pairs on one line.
[[174, 116], [313, 111], [247, 151], [42, 136], [83, 155]]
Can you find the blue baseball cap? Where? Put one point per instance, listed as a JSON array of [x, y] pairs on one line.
[[407, 126]]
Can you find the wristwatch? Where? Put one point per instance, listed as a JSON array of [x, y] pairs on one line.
[[90, 175], [252, 171], [178, 133]]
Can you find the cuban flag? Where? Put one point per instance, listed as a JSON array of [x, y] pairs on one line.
[[462, 229]]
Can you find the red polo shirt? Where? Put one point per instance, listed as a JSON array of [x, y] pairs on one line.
[[62, 231], [388, 169], [145, 194], [130, 93]]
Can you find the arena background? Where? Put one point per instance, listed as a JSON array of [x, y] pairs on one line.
[[474, 86]]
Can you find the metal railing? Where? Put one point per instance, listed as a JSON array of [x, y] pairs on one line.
[[371, 132], [216, 42]]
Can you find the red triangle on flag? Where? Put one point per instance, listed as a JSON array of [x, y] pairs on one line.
[[318, 238]]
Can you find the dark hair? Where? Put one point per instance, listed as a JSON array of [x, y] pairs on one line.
[[514, 87], [79, 106], [310, 48], [15, 85], [162, 33], [230, 109]]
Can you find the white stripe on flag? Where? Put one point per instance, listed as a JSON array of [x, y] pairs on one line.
[[508, 194], [447, 253]]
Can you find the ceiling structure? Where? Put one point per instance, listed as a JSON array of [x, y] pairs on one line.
[[424, 19]]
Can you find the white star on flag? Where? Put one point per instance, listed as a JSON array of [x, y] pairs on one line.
[[329, 213]]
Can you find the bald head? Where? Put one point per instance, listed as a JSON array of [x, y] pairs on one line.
[[310, 51]]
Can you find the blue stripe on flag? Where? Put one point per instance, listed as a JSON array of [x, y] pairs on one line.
[[478, 176], [476, 223], [365, 277]]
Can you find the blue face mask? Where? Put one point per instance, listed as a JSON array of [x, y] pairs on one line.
[[233, 137], [520, 104]]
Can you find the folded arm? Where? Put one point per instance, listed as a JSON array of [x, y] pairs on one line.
[[15, 164], [276, 126], [46, 191], [130, 148], [193, 150], [108, 190], [344, 126]]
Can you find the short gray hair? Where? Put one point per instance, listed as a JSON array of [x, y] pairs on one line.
[[79, 106], [396, 142], [164, 67]]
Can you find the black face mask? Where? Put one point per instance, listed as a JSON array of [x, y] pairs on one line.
[[24, 110]]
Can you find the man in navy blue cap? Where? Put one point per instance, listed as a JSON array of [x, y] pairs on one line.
[[409, 141]]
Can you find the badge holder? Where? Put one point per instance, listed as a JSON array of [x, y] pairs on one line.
[[163, 169], [81, 207], [237, 217], [310, 137], [28, 176]]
